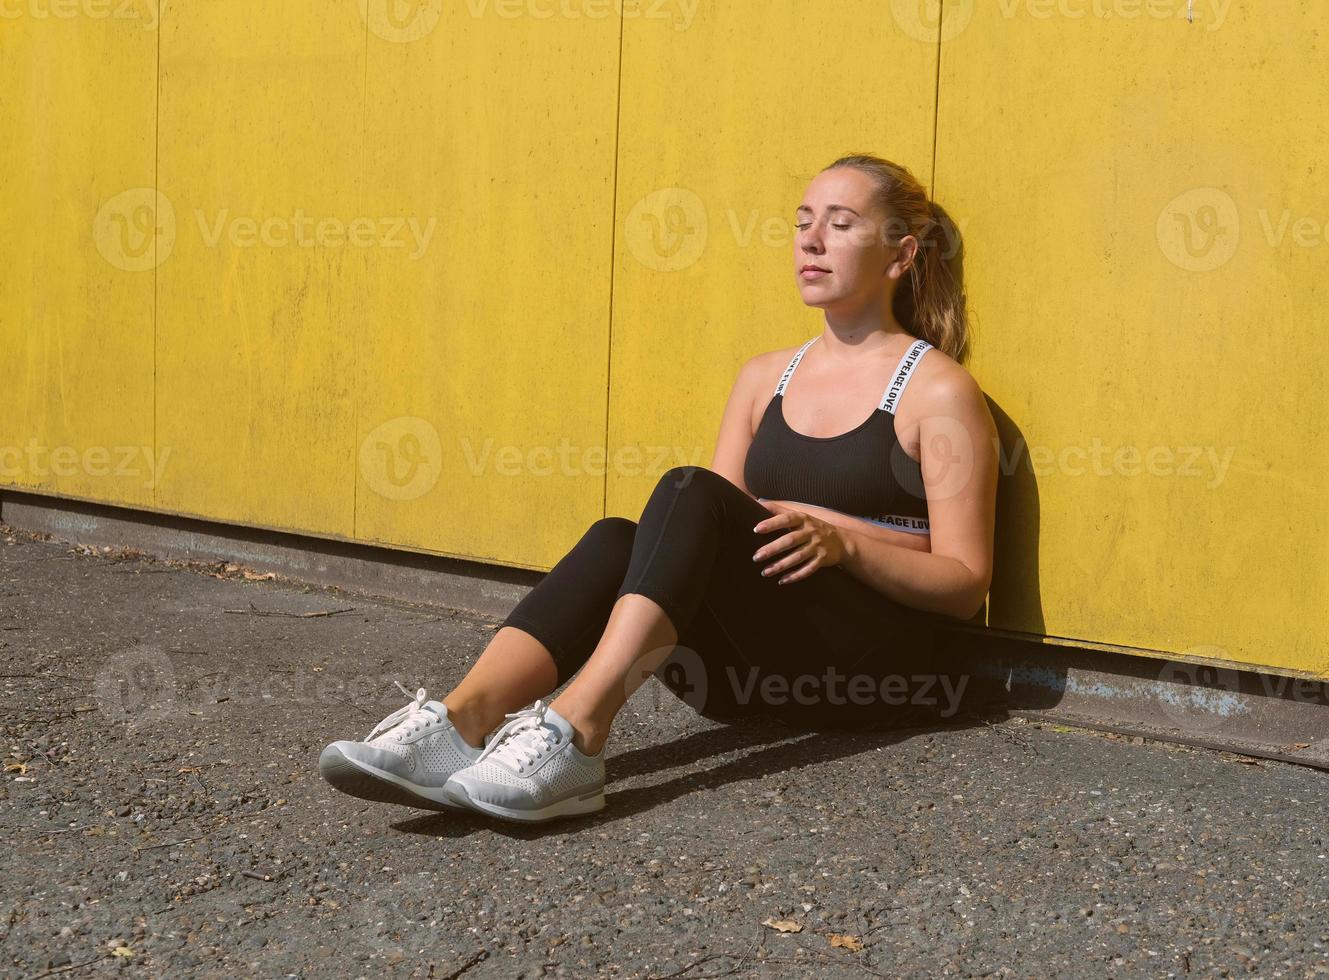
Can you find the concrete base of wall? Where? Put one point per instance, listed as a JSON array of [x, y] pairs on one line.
[[1142, 693], [490, 590]]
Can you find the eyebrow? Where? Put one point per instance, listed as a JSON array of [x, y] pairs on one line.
[[829, 207]]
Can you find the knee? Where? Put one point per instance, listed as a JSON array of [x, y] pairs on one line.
[[610, 540], [612, 531], [690, 477]]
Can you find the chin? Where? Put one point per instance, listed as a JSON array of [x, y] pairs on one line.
[[811, 298]]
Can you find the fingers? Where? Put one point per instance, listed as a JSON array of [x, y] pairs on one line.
[[782, 543], [802, 571], [794, 558]]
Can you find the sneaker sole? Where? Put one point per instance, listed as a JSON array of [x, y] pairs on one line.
[[365, 782], [573, 806]]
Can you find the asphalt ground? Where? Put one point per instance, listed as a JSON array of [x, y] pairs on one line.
[[163, 815]]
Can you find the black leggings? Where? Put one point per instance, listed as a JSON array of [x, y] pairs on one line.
[[826, 651]]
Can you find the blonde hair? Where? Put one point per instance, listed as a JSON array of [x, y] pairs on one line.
[[931, 303]]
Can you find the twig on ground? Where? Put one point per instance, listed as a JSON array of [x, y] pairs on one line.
[[268, 914], [173, 843], [255, 611], [466, 966], [352, 704], [62, 969], [699, 961], [761, 938], [256, 876], [1015, 739]]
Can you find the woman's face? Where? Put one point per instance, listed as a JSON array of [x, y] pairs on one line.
[[842, 258]]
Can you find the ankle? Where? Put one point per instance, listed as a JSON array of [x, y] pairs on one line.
[[589, 734], [589, 742], [470, 720]]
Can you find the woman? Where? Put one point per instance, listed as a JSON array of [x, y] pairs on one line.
[[793, 578]]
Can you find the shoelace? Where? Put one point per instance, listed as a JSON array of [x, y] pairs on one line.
[[411, 717], [524, 738]]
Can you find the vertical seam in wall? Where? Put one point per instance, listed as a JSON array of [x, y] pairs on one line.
[[357, 335], [936, 99], [156, 240], [613, 240]]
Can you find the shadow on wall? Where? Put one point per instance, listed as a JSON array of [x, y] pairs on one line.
[[972, 651], [1016, 595]]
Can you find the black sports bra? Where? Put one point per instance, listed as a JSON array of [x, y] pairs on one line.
[[864, 472]]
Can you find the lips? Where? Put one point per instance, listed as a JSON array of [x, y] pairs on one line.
[[813, 268]]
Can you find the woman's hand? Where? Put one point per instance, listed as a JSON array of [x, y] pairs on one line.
[[817, 544]]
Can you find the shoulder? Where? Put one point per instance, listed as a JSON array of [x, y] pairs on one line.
[[759, 369], [945, 386]]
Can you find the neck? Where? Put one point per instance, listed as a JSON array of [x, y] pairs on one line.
[[868, 330]]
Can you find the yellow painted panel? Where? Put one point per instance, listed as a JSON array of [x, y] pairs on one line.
[[484, 352], [259, 299], [77, 104], [1141, 196], [725, 119]]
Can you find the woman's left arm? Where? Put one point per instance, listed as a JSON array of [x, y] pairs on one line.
[[958, 447]]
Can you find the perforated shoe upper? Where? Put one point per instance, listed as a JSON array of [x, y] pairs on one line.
[[531, 762], [417, 742]]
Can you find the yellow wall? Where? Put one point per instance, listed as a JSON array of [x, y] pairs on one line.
[[1146, 326], [462, 277], [77, 110]]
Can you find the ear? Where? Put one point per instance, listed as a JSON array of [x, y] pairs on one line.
[[904, 258]]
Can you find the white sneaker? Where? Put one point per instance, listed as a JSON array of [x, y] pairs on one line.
[[405, 759], [531, 771]]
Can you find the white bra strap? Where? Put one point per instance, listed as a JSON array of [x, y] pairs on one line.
[[903, 373], [784, 378]]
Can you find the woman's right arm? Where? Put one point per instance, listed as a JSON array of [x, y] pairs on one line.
[[731, 445]]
